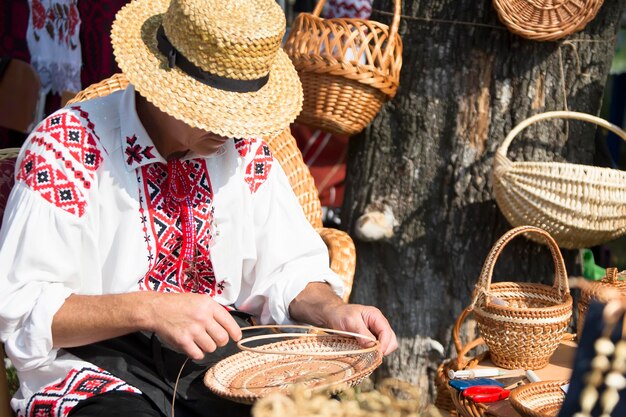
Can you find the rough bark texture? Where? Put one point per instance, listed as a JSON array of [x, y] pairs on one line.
[[429, 153]]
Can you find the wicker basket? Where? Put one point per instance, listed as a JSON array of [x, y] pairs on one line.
[[522, 323], [445, 399], [546, 20], [598, 291], [247, 376], [538, 399], [579, 205], [348, 68]]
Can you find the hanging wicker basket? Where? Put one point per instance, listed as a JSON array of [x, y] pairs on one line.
[[546, 20], [348, 68], [579, 205], [611, 286], [522, 323]]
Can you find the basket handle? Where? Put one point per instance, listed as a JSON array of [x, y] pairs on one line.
[[484, 283], [462, 351], [503, 149], [395, 24]]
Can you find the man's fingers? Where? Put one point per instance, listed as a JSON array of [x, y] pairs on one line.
[[219, 335], [380, 327], [228, 323]]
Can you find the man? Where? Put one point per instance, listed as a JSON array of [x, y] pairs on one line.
[[140, 233]]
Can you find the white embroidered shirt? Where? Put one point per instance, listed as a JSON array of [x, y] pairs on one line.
[[90, 213]]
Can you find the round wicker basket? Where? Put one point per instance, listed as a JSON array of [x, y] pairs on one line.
[[538, 399], [598, 291], [248, 376], [522, 323], [348, 68], [580, 206], [546, 20]]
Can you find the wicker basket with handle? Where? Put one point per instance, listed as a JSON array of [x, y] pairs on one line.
[[348, 68], [579, 205], [599, 291], [522, 323], [546, 20], [445, 399]]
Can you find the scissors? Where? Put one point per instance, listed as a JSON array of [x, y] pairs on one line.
[[486, 393]]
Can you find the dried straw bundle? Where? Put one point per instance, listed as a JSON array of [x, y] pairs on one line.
[[392, 398]]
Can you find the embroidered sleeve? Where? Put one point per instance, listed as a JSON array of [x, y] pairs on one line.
[[290, 253], [47, 245], [60, 159]]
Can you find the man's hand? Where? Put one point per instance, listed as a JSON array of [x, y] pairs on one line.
[[317, 304], [190, 323], [193, 323]]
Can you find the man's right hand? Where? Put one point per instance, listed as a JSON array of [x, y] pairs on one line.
[[192, 323]]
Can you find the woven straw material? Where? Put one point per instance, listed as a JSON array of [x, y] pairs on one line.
[[538, 399], [599, 291], [546, 20], [348, 68], [238, 40], [247, 376], [522, 323], [580, 206]]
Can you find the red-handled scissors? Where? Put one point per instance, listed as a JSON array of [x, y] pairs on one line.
[[486, 393]]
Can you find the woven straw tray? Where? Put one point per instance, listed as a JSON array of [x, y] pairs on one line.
[[248, 376]]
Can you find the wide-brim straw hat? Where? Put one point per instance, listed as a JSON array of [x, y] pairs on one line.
[[234, 46]]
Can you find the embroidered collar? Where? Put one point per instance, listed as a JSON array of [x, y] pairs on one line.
[[137, 147]]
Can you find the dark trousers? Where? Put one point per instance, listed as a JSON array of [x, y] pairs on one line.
[[144, 362]]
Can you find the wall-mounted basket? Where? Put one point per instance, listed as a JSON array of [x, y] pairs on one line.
[[546, 20], [579, 205], [348, 68]]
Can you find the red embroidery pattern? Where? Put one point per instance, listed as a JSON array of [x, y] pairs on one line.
[[60, 20], [134, 151], [51, 184], [59, 155], [243, 146], [58, 400], [259, 168], [167, 232], [67, 129]]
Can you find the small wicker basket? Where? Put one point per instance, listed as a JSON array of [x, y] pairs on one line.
[[580, 206], [546, 20], [598, 291], [446, 398], [538, 399], [348, 68], [522, 323]]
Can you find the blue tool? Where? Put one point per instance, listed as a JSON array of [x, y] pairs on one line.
[[462, 384]]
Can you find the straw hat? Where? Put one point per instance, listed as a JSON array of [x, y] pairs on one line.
[[215, 64]]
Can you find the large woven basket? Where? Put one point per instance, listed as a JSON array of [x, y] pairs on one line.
[[522, 323], [579, 205], [538, 399], [600, 291], [546, 20], [348, 68]]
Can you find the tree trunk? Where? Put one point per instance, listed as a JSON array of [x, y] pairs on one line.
[[428, 157]]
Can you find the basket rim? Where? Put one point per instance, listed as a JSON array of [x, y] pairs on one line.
[[553, 387], [568, 303]]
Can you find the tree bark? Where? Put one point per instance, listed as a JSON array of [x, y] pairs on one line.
[[465, 83]]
